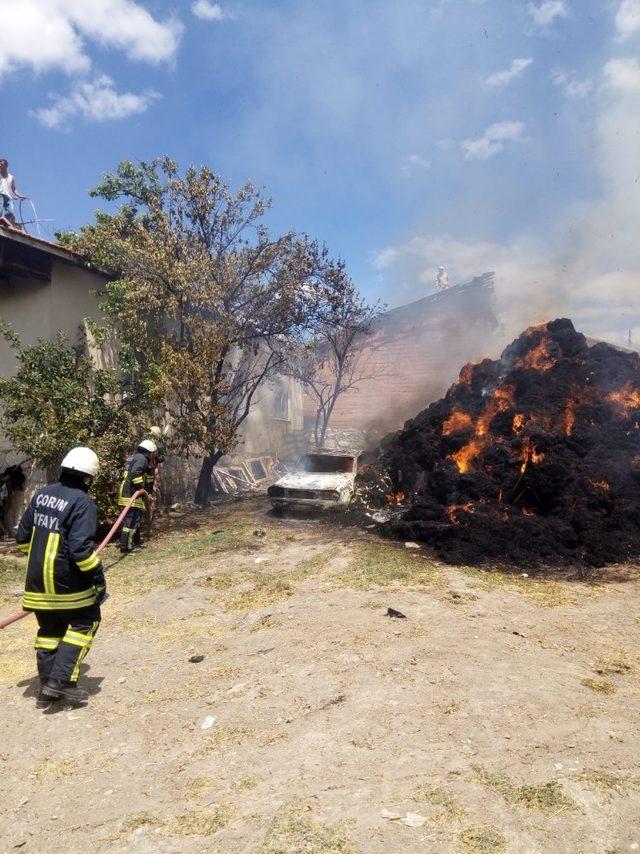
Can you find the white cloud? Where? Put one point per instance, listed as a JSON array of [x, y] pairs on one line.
[[546, 13], [415, 161], [570, 86], [623, 74], [95, 101], [208, 11], [47, 35], [628, 18], [492, 140], [503, 78]]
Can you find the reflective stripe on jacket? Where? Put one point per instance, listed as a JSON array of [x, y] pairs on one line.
[[138, 474], [57, 533]]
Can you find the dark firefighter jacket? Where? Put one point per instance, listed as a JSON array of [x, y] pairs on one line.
[[57, 532], [138, 474]]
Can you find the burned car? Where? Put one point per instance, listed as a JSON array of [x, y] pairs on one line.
[[325, 480]]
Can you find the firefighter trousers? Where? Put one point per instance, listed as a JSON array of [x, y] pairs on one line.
[[63, 641], [130, 533]]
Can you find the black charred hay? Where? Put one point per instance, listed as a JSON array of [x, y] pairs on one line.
[[533, 459]]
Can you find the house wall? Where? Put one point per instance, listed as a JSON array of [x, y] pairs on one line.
[[37, 309], [414, 354], [276, 414]]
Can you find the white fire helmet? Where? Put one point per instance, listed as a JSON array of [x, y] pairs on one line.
[[82, 460], [148, 445]]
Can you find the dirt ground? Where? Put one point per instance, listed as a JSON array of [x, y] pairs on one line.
[[501, 715]]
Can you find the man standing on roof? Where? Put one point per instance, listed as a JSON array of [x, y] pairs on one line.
[[8, 192], [138, 474], [442, 279], [65, 581]]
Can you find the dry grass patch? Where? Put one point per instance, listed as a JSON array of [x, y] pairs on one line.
[[266, 588], [164, 561], [244, 784], [263, 588], [388, 565], [198, 785], [316, 563], [265, 622], [614, 665], [363, 742], [133, 823], [482, 840], [294, 830], [447, 806], [273, 736], [547, 594], [609, 783], [222, 737], [600, 686], [56, 769], [199, 822], [549, 797]]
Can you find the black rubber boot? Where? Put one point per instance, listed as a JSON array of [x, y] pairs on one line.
[[53, 690], [42, 701]]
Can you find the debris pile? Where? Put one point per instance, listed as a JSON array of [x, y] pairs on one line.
[[248, 475], [533, 458]]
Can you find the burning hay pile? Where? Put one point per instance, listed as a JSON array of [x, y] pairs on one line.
[[533, 458]]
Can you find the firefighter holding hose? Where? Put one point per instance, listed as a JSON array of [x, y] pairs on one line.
[[65, 582], [139, 473]]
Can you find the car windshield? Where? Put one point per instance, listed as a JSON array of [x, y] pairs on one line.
[[328, 464]]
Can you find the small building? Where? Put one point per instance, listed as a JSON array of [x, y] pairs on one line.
[[413, 355], [43, 288]]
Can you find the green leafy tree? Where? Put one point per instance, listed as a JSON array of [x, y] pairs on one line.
[[207, 305], [57, 400]]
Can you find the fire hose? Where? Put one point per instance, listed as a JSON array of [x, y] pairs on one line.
[[18, 615]]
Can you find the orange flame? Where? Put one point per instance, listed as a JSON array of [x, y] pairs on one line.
[[455, 422], [539, 358], [466, 374], [625, 398], [453, 509], [464, 457], [395, 498], [569, 418], [530, 454], [599, 484], [501, 399], [518, 422], [527, 512]]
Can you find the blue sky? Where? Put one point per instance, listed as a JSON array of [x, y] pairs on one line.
[[481, 134]]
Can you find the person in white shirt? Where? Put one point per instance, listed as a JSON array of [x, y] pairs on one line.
[[8, 192], [442, 279]]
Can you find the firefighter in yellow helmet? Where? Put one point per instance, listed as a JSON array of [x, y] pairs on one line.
[[65, 580], [139, 473]]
